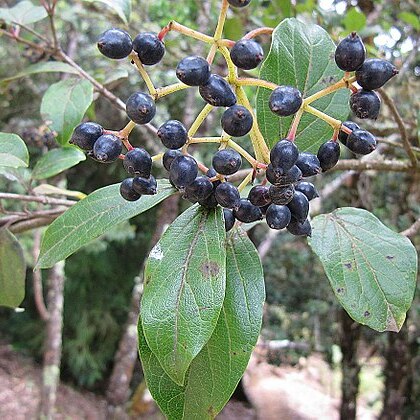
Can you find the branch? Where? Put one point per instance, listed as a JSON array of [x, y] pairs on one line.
[[378, 165], [412, 230], [37, 199], [32, 223]]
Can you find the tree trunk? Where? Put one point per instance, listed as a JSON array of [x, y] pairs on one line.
[[350, 368], [396, 370], [52, 351], [119, 384]]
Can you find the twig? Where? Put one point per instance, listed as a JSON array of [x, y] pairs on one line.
[[412, 230], [37, 199], [379, 165], [33, 223]]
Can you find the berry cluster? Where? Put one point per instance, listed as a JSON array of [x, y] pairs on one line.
[[282, 196]]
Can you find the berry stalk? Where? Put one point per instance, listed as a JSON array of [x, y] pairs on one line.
[[168, 90], [221, 21], [143, 73], [175, 26], [336, 124], [247, 81]]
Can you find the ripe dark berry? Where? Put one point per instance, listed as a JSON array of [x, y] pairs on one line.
[[211, 173], [85, 135], [278, 217], [247, 212], [350, 53], [294, 174], [200, 189], [227, 195], [138, 162], [227, 161], [342, 136], [107, 148], [168, 157], [328, 154], [217, 92], [308, 189], [365, 104], [282, 195], [146, 186], [115, 43], [127, 192], [285, 100], [309, 164], [299, 206], [361, 142], [284, 155], [193, 71], [183, 171], [374, 73], [210, 202], [140, 108], [237, 121], [239, 3], [246, 54], [173, 134], [229, 219], [259, 195], [149, 48], [299, 228]]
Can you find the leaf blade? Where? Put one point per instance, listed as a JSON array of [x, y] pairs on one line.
[[23, 13], [371, 268], [13, 151], [121, 7], [90, 218]]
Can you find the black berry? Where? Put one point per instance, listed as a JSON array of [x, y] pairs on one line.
[[193, 71], [309, 164], [342, 136], [168, 157], [361, 142], [237, 121], [149, 48], [183, 171], [173, 134], [308, 189], [227, 161], [229, 219], [278, 217], [285, 100], [217, 92], [350, 53], [200, 189], [85, 135], [374, 73], [284, 155], [282, 195], [146, 186], [210, 202], [294, 174], [259, 195], [299, 206], [365, 104], [328, 154], [247, 212], [239, 3], [138, 162], [107, 148], [127, 192], [115, 43], [247, 54], [227, 195], [140, 108], [299, 228]]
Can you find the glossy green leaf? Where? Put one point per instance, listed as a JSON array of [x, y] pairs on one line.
[[214, 374], [371, 268], [121, 7], [184, 288], [92, 217], [44, 67], [23, 13], [56, 161], [410, 18], [64, 104], [354, 20], [12, 270], [301, 55], [13, 151]]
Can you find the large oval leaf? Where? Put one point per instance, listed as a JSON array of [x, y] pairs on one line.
[[23, 13], [301, 55], [56, 161], [121, 7], [64, 104], [92, 217], [12, 270], [184, 288], [214, 374], [371, 268], [13, 151]]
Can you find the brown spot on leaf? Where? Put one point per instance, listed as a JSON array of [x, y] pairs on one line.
[[390, 257], [210, 269], [211, 412], [366, 314], [348, 265]]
